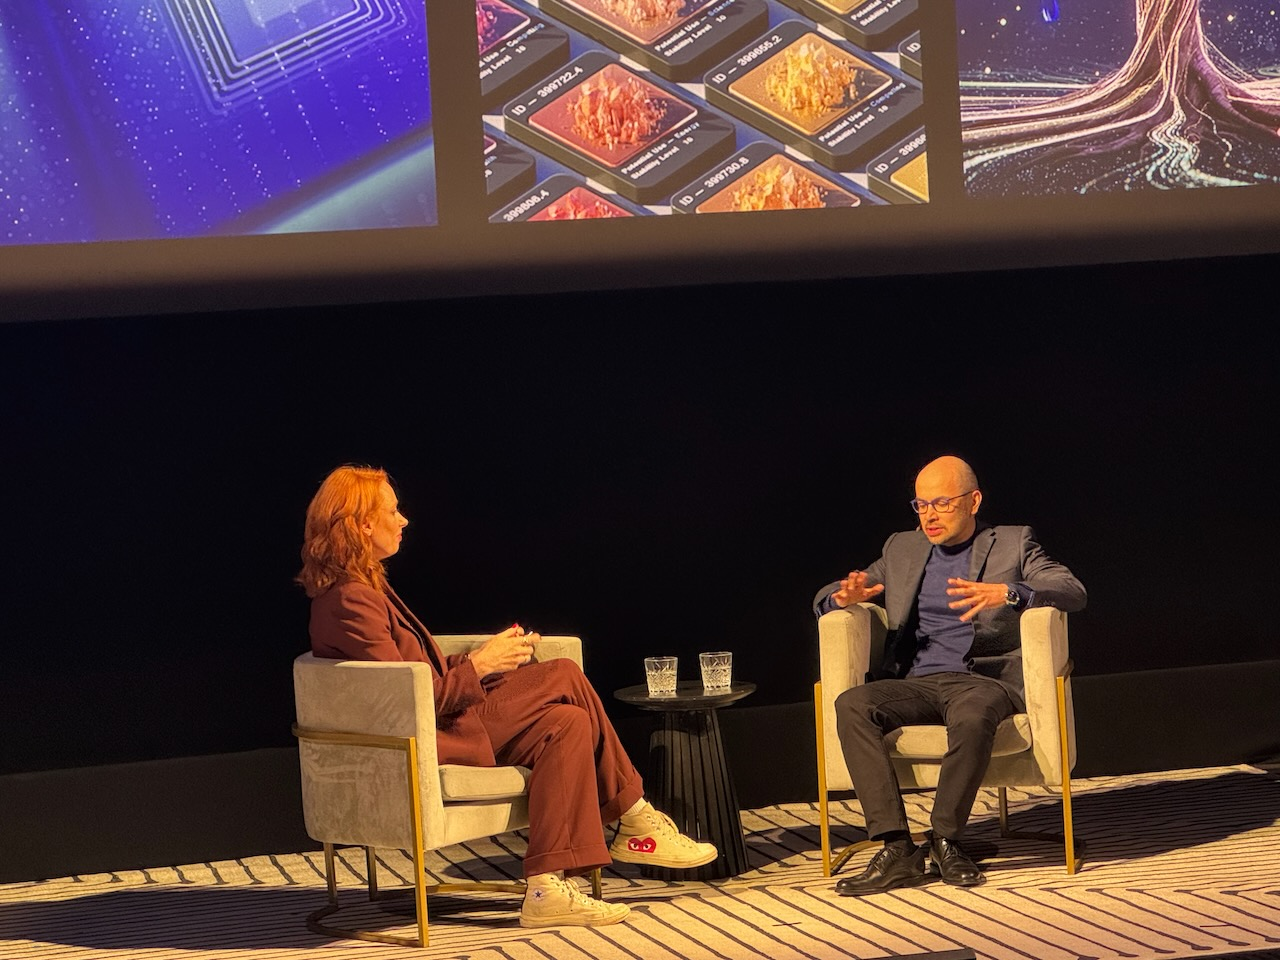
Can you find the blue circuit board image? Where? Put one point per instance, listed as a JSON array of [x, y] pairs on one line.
[[139, 119]]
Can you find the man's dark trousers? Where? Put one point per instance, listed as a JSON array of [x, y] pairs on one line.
[[970, 706]]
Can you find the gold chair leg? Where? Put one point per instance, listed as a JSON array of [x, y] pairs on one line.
[[419, 891], [1068, 827], [314, 919], [1072, 848], [824, 834], [829, 866], [415, 830], [421, 888]]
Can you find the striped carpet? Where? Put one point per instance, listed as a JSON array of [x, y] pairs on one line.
[[1179, 864]]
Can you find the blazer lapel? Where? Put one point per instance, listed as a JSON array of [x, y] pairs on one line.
[[413, 624], [983, 541], [910, 576]]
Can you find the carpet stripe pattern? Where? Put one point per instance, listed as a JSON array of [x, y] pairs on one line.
[[1178, 864]]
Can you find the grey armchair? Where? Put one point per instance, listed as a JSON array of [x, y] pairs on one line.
[[1033, 748], [370, 775]]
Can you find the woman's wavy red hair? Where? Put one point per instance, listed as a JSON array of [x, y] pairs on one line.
[[334, 543]]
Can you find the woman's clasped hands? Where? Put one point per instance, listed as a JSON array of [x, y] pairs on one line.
[[505, 651]]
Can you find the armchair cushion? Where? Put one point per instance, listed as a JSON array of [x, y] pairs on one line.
[[459, 782], [929, 741]]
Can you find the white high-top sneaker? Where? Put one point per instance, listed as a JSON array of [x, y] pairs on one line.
[[552, 902], [651, 837]]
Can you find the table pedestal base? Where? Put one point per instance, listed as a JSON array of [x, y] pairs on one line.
[[691, 783]]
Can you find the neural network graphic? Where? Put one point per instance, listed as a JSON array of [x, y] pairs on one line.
[[1177, 112]]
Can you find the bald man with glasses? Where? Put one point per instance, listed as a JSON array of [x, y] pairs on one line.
[[953, 589]]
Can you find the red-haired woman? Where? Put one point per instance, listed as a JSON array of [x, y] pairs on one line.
[[493, 705]]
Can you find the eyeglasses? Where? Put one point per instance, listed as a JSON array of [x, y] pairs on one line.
[[941, 504]]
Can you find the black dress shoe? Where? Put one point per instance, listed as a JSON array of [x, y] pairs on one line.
[[949, 861], [889, 869]]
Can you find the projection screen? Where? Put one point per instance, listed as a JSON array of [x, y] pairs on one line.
[[173, 155]]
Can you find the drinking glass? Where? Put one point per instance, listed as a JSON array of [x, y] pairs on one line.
[[717, 670], [660, 673]]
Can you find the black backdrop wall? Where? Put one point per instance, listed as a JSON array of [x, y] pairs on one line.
[[659, 471]]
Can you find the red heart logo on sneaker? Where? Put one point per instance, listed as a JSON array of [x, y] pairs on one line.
[[642, 844]]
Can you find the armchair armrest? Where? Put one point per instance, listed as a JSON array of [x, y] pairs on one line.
[[849, 641], [1045, 658]]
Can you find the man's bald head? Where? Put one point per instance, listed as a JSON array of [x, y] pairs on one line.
[[948, 468], [952, 480]]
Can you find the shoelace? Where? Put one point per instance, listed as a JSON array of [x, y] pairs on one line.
[[881, 855], [886, 854], [577, 896], [667, 827]]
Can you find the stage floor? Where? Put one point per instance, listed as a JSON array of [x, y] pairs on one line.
[[1178, 864]]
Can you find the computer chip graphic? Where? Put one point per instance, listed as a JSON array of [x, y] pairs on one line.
[[240, 48]]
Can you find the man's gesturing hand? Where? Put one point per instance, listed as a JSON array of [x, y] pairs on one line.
[[975, 596], [854, 589]]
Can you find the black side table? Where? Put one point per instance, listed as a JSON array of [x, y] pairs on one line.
[[692, 780]]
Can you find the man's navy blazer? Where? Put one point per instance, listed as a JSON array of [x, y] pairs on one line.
[[1001, 554]]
